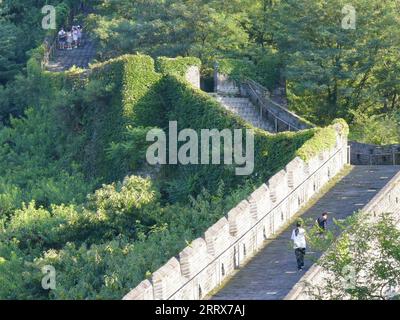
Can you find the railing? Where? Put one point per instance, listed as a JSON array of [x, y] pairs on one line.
[[264, 112], [281, 118], [51, 46], [376, 159]]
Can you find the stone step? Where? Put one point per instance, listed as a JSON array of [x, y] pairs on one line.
[[243, 107]]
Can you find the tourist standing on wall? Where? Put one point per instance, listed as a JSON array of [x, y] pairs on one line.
[[62, 37], [299, 244], [69, 40], [322, 222]]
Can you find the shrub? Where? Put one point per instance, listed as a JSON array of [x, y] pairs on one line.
[[237, 69], [176, 66]]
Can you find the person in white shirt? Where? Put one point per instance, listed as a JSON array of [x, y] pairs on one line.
[[299, 244], [62, 38], [69, 40]]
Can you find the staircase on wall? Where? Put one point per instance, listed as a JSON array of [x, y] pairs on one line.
[[268, 111], [244, 108], [272, 273], [256, 105]]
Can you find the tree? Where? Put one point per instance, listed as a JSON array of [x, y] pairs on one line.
[[331, 70], [205, 29], [364, 263], [8, 43]]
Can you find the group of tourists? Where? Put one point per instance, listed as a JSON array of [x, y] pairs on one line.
[[72, 39], [299, 238]]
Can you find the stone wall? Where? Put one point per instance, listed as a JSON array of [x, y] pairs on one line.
[[371, 154], [225, 246], [386, 201], [193, 76]]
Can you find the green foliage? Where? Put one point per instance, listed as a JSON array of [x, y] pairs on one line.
[[22, 48], [194, 109], [19, 279], [131, 151], [377, 129], [21, 31], [81, 132], [176, 66], [35, 227], [8, 43], [108, 270], [332, 71], [120, 203], [323, 139], [268, 69], [264, 69], [36, 163], [205, 29], [120, 95]]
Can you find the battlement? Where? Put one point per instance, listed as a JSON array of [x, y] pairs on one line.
[[208, 261]]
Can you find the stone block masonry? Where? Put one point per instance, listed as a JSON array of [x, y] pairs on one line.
[[228, 244], [370, 154]]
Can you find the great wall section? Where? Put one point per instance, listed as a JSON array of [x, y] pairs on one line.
[[247, 251], [246, 254]]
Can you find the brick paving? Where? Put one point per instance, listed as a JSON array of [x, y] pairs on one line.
[[272, 273], [80, 57]]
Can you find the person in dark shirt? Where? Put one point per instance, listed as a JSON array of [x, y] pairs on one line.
[[322, 222]]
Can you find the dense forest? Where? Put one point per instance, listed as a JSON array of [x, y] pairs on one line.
[[329, 71], [70, 145]]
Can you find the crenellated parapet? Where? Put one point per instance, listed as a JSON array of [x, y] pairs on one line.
[[204, 265]]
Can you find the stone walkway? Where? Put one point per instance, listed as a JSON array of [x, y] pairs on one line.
[[272, 273], [80, 57]]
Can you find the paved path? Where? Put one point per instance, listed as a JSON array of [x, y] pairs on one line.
[[272, 273], [64, 59]]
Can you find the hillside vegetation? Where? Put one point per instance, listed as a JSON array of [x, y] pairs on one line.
[[70, 197]]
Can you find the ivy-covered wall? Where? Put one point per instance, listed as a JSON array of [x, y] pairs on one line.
[[194, 109]]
